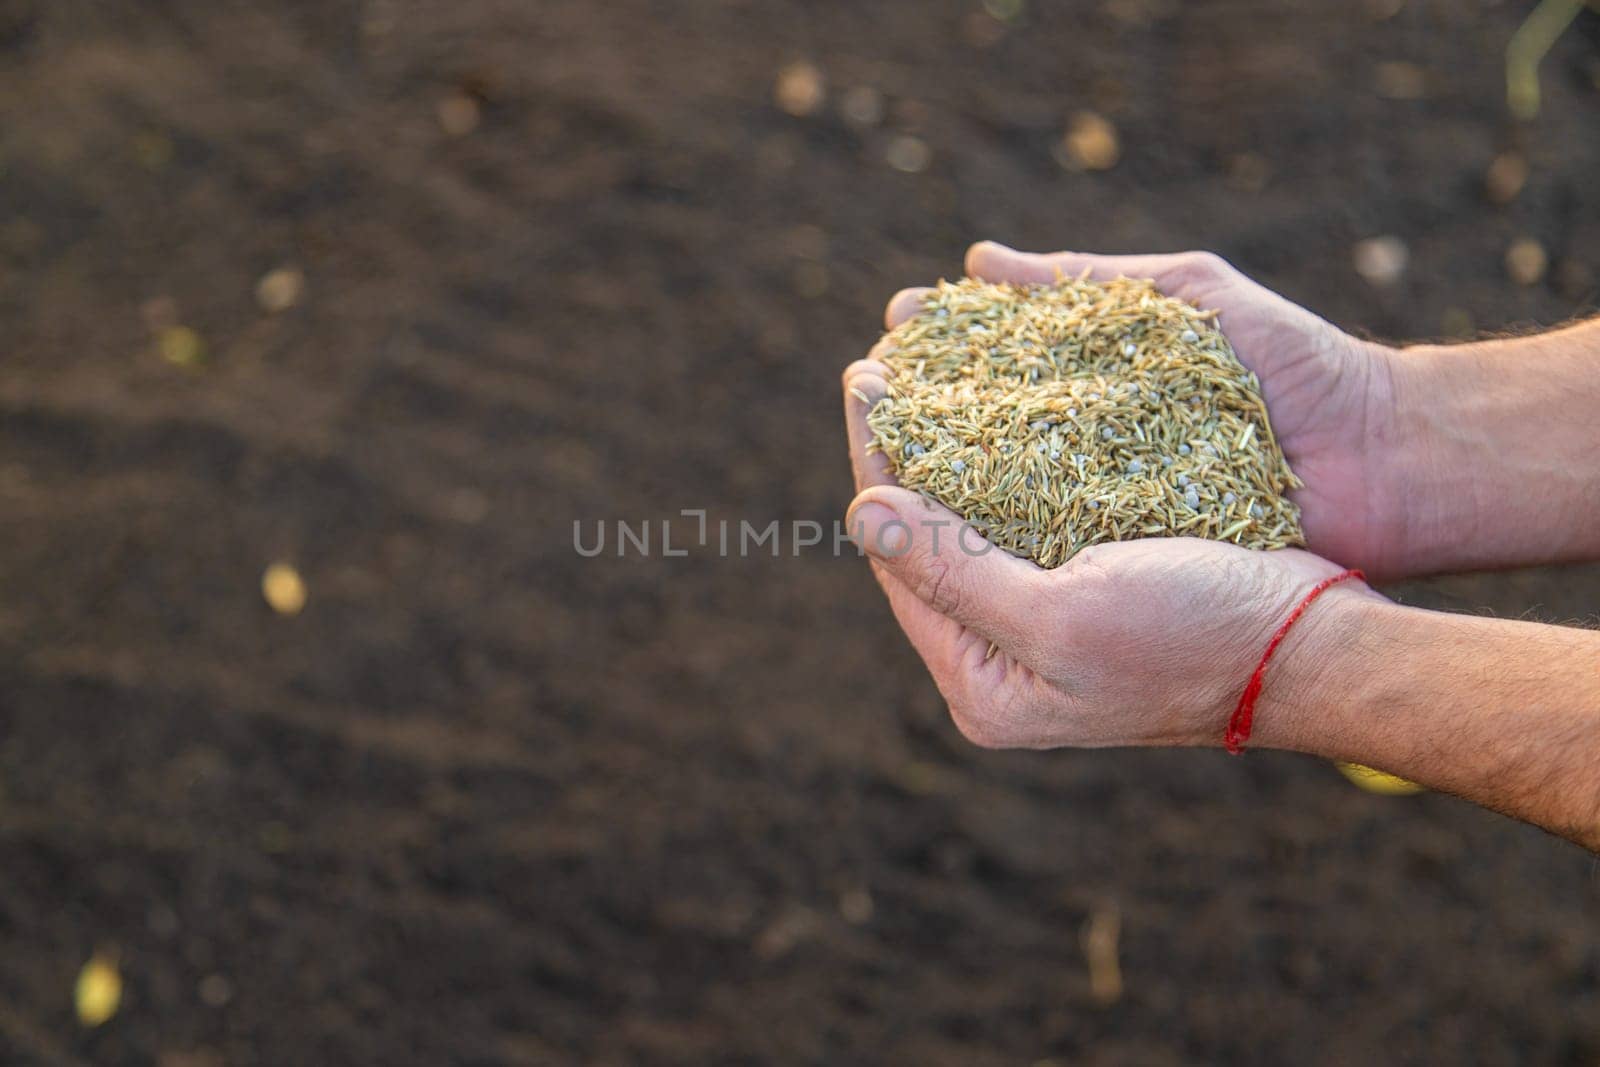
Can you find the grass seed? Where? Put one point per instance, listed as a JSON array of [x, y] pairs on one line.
[[1054, 417]]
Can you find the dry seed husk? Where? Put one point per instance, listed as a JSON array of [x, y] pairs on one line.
[[1054, 417]]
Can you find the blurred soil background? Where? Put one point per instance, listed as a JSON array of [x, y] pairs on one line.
[[393, 292]]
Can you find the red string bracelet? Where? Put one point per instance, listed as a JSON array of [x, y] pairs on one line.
[[1238, 731]]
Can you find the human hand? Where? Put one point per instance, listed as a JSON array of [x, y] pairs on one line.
[[1330, 395], [1151, 642], [1144, 642]]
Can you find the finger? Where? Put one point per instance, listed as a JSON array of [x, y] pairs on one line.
[[996, 263], [943, 643], [864, 386], [1255, 320], [949, 567], [903, 305], [875, 354]]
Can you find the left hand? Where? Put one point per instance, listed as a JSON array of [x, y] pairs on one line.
[[1145, 642]]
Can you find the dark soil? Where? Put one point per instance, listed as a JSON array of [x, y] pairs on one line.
[[485, 801]]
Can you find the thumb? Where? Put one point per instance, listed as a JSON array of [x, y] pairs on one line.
[[949, 565]]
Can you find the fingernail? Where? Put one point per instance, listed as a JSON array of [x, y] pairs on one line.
[[878, 530]]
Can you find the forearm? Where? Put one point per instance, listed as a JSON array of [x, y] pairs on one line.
[[1494, 451], [1503, 713]]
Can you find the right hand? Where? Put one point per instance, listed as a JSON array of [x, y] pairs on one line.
[[1330, 395]]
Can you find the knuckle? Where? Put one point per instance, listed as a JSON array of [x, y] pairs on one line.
[[1209, 264], [941, 586]]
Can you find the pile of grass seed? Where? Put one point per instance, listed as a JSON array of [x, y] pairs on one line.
[[1053, 417]]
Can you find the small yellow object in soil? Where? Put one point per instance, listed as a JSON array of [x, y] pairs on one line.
[[1090, 143], [1506, 176], [459, 114], [910, 155], [215, 990], [862, 106], [1101, 935], [98, 991], [284, 589], [182, 346], [279, 290], [1526, 261], [1381, 260], [799, 89], [1379, 782]]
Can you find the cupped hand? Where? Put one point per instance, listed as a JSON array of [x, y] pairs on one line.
[[1146, 642], [1330, 395]]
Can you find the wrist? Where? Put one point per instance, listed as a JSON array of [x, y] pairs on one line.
[[1501, 712], [1434, 487], [1316, 680], [1387, 469], [1490, 461]]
